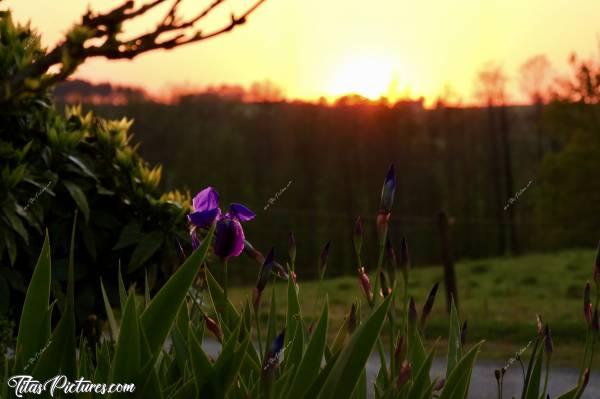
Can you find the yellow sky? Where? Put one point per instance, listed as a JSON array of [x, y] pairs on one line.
[[327, 47]]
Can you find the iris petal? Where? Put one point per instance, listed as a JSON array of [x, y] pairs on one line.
[[206, 200], [229, 238], [204, 219], [240, 212]]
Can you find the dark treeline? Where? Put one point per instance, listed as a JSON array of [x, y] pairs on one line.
[[335, 158]]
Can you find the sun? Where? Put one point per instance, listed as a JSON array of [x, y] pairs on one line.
[[367, 75]]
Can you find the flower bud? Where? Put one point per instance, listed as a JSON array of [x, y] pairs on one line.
[[428, 304], [365, 284], [294, 277], [412, 311], [398, 355], [439, 384], [587, 304], [586, 377], [497, 374], [323, 259], [539, 323], [404, 373], [387, 191], [213, 327], [358, 236], [292, 247], [385, 289]]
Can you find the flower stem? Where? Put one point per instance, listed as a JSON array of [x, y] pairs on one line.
[[256, 318], [382, 238], [225, 299]]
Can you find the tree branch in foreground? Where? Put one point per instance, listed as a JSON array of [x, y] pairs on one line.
[[98, 35]]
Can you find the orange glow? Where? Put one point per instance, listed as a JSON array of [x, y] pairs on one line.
[[314, 48], [369, 76]]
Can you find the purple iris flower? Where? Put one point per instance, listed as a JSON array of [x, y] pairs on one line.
[[229, 235]]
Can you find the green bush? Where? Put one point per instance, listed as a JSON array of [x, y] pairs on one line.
[[55, 163]]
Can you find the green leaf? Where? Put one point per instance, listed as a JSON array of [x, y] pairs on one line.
[[15, 222], [416, 350], [84, 168], [360, 391], [571, 394], [147, 247], [131, 234], [293, 352], [531, 365], [187, 390], [79, 197], [11, 246], [532, 389], [272, 324], [33, 329], [201, 366], [346, 372], [454, 343], [217, 296], [60, 355], [127, 359], [102, 363], [421, 382], [122, 290], [180, 348], [310, 365], [293, 325], [457, 383], [114, 330], [157, 319]]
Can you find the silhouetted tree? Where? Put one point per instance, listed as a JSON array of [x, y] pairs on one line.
[[492, 92], [534, 82], [569, 191]]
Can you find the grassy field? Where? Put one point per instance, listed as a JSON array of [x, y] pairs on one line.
[[499, 297]]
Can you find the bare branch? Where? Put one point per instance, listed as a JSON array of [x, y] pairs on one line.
[[76, 47]]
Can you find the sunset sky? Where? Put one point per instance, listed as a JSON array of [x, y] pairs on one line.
[[331, 47]]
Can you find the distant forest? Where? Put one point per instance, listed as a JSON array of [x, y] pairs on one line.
[[316, 167]]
